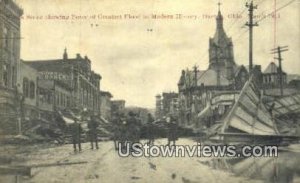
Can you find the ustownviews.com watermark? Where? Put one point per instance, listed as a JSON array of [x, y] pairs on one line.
[[139, 150]]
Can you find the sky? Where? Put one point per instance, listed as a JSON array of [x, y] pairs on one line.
[[141, 57]]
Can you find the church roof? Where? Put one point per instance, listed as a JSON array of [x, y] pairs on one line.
[[210, 78], [271, 69], [206, 77]]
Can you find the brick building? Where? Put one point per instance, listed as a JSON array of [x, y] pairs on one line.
[[28, 89], [10, 14], [75, 85]]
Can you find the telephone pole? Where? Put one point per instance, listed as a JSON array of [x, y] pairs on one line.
[[250, 24], [195, 75], [278, 51]]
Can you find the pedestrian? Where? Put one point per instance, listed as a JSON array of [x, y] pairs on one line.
[[172, 130], [150, 129], [93, 132], [133, 129], [118, 131], [123, 133], [76, 131]]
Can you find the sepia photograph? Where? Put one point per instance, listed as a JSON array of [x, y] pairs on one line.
[[149, 91]]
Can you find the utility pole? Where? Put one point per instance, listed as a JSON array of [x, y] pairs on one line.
[[250, 24], [195, 74], [278, 51]]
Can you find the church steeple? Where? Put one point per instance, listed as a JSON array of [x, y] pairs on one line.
[[220, 35], [219, 19], [221, 57]]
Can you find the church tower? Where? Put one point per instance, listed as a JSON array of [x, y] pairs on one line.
[[221, 58]]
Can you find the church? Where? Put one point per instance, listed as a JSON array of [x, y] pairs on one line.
[[197, 87]]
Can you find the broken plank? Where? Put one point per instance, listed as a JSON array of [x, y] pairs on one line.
[[15, 170], [57, 164]]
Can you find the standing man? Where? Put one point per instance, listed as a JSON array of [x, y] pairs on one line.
[[172, 130], [133, 128], [150, 129], [93, 135], [76, 131], [119, 131]]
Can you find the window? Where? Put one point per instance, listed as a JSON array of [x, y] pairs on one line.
[[5, 76], [25, 87], [57, 99], [32, 90], [11, 44], [14, 78], [62, 99], [5, 36]]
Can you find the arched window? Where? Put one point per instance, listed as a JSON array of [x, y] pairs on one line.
[[32, 90], [25, 87]]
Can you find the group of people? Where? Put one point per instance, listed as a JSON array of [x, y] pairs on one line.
[[126, 131], [76, 133]]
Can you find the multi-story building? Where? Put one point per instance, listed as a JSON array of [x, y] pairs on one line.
[[54, 95], [174, 107], [166, 105], [105, 104], [76, 85], [223, 77], [10, 14], [28, 88], [167, 99]]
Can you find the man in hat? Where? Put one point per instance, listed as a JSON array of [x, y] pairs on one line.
[[133, 128], [172, 130], [76, 131], [93, 135], [150, 129]]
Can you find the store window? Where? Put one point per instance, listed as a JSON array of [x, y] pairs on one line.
[[25, 87], [32, 90]]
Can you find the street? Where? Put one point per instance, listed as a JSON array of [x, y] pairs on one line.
[[105, 165]]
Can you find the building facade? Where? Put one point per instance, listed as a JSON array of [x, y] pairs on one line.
[[77, 86], [105, 105], [166, 105], [10, 14], [28, 88]]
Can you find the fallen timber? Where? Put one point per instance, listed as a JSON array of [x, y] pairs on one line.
[[249, 121], [25, 170]]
